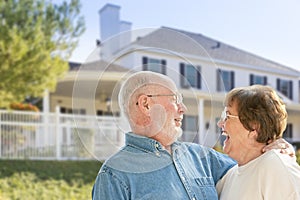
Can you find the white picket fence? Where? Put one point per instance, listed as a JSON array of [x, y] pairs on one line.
[[30, 135]]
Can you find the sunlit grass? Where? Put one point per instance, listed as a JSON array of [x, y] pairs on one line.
[[47, 180]]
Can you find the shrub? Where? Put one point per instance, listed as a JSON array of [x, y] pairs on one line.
[[24, 107], [47, 180], [298, 156]]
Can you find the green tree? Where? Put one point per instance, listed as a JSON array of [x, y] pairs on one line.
[[37, 37]]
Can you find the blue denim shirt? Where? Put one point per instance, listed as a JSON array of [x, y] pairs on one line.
[[142, 169]]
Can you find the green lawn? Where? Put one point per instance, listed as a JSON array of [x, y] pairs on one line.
[[47, 180]]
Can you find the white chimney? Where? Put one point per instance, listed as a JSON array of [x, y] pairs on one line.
[[114, 33], [109, 21]]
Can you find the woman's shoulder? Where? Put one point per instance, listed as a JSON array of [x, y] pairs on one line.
[[275, 157], [277, 162]]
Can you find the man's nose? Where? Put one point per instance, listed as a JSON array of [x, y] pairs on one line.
[[182, 107]]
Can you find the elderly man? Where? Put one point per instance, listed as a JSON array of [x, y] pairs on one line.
[[153, 164]]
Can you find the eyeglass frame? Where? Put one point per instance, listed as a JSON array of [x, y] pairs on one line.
[[178, 97], [225, 116]]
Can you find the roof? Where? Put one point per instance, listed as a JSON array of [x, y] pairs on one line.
[[98, 65], [184, 42]]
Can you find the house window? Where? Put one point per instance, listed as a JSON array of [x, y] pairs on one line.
[[225, 80], [190, 128], [63, 110], [72, 111], [190, 76], [222, 138], [154, 65], [285, 87], [288, 133], [255, 79]]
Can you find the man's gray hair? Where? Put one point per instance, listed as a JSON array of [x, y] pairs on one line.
[[136, 81]]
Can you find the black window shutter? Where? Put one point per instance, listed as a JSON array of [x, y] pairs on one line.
[[163, 67], [198, 77], [145, 63], [265, 80], [219, 79], [278, 84], [251, 79], [182, 77], [291, 130], [291, 90], [232, 80]]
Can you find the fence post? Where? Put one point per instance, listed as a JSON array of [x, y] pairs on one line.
[[58, 132], [46, 116]]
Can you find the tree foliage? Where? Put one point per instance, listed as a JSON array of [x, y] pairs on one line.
[[36, 39]]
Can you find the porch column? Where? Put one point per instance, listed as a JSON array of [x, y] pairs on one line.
[[123, 128], [201, 131], [46, 104]]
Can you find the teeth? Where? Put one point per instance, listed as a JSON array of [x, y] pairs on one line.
[[224, 133]]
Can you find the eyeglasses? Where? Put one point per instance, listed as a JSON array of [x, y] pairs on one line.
[[225, 116], [178, 97]]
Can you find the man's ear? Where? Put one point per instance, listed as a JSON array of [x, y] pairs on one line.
[[143, 103]]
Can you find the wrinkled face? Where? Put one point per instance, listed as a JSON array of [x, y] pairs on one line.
[[237, 139], [166, 111]]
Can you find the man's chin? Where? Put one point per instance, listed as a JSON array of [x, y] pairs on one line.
[[179, 132]]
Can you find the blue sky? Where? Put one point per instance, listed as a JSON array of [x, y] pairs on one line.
[[268, 28]]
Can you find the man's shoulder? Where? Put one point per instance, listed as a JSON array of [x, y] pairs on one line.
[[125, 161], [203, 152], [194, 147]]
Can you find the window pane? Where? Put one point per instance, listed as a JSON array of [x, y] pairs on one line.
[[284, 87], [154, 65], [288, 133], [258, 80], [190, 127], [191, 75], [191, 123], [226, 80]]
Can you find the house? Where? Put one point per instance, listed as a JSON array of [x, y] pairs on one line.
[[204, 69]]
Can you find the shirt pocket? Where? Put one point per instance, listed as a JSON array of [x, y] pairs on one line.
[[205, 181], [206, 188]]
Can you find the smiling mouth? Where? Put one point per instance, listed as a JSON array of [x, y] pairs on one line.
[[178, 121], [224, 133]]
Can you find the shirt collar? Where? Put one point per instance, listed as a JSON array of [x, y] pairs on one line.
[[144, 143]]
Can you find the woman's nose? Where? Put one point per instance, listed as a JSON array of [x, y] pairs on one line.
[[220, 123]]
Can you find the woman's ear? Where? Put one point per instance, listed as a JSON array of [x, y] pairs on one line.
[[253, 134]]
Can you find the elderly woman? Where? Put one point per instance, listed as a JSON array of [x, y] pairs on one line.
[[253, 117]]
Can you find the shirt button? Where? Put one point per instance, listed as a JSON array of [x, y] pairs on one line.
[[156, 145], [193, 198], [183, 178]]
